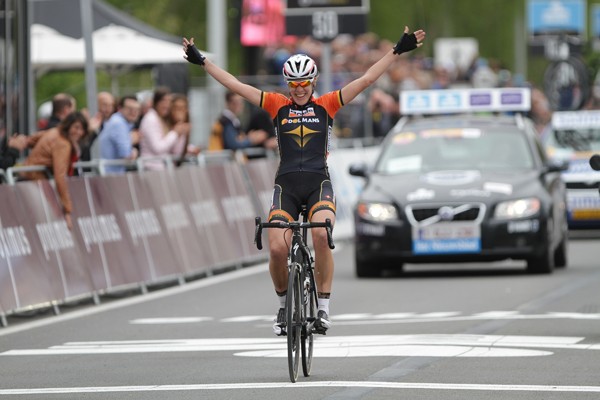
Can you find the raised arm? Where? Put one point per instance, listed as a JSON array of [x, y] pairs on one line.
[[408, 42], [226, 79]]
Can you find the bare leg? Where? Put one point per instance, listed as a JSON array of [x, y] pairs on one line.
[[278, 240], [323, 255]]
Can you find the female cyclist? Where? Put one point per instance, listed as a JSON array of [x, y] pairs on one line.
[[303, 125]]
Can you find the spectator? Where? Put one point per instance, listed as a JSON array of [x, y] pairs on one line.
[[57, 149], [541, 112], [180, 112], [157, 136], [260, 120], [63, 104], [12, 150], [115, 141], [227, 132], [106, 108]]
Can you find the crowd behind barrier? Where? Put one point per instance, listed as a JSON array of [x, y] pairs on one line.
[[141, 228]]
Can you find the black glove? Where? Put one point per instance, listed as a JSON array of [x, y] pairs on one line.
[[194, 56], [407, 42]]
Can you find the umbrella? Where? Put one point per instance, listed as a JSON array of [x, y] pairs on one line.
[[53, 50]]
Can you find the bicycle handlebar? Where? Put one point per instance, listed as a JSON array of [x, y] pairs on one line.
[[290, 225]]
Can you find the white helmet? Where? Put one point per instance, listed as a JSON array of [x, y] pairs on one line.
[[299, 67]]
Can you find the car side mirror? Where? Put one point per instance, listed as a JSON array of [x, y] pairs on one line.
[[359, 169], [557, 166], [595, 162]]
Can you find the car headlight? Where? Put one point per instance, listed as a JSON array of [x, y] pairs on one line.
[[378, 212], [521, 208]]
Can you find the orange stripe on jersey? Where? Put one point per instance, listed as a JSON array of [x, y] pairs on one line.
[[272, 102], [331, 102]]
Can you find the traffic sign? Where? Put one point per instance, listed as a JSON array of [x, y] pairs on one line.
[[307, 7], [326, 19]]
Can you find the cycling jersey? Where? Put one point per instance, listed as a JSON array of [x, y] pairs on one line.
[[303, 132]]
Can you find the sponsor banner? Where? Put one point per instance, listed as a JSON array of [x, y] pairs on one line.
[[26, 279], [261, 173], [216, 238], [176, 218], [146, 230], [201, 211], [98, 207], [59, 248], [237, 206]]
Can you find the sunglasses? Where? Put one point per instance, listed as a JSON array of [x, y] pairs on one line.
[[295, 84]]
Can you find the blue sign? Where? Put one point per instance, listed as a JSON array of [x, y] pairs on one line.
[[446, 246], [464, 100], [555, 16], [596, 20]]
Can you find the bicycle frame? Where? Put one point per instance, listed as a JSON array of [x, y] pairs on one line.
[[301, 303]]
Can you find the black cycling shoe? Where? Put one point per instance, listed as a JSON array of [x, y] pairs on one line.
[[322, 323], [279, 325]]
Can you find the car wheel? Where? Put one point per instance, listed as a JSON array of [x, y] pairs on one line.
[[543, 264], [560, 254]]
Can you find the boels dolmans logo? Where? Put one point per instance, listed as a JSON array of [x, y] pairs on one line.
[[301, 116]]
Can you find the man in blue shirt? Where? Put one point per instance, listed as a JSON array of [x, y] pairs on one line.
[[115, 138]]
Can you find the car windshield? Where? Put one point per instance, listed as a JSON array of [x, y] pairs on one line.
[[451, 149]]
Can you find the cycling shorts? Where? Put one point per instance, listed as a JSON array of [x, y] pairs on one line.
[[295, 189]]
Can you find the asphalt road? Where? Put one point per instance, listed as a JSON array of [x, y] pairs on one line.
[[481, 331]]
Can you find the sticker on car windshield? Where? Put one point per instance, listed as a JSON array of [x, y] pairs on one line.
[[404, 164], [446, 238], [468, 133], [404, 138]]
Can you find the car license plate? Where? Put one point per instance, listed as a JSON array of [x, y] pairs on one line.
[[447, 238]]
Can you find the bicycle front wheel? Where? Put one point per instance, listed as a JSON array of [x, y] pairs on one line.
[[293, 307], [310, 310]]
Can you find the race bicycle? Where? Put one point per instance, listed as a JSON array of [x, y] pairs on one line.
[[301, 302]]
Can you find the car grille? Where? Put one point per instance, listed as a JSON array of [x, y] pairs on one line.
[[471, 213], [582, 185]]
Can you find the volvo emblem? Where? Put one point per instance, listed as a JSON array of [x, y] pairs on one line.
[[446, 213]]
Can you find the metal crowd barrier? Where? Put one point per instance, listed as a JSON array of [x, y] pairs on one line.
[[137, 230], [12, 172]]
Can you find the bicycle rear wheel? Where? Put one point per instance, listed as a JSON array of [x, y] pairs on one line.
[[294, 320], [310, 310]]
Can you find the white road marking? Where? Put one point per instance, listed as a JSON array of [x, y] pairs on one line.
[[298, 385], [388, 318], [425, 345], [174, 320]]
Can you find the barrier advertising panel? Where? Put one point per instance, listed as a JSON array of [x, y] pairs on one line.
[[208, 214], [147, 230], [261, 174], [100, 232], [202, 213], [237, 204], [59, 249], [26, 279], [176, 218]]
